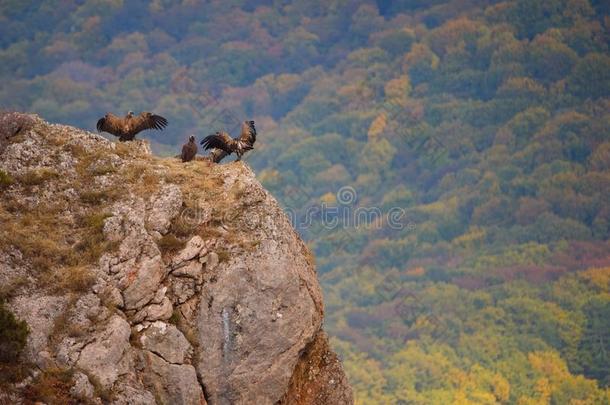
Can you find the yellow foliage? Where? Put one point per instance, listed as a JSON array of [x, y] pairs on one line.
[[441, 207], [501, 388], [377, 126], [470, 239], [329, 198], [398, 88], [421, 54], [600, 277], [543, 388]]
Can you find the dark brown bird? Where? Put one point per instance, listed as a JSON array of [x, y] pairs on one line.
[[127, 128], [189, 150], [223, 145]]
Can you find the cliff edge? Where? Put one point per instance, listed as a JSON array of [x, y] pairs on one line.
[[144, 280]]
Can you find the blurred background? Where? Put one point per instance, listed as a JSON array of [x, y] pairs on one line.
[[448, 162]]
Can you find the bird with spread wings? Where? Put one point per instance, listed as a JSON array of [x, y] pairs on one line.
[[222, 144], [126, 128]]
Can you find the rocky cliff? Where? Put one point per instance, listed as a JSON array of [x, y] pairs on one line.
[[144, 280]]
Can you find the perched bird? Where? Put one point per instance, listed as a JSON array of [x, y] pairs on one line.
[[223, 145], [127, 128], [189, 150]]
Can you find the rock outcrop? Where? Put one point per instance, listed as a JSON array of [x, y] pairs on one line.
[[146, 280]]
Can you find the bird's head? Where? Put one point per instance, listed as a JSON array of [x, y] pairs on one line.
[[130, 114], [192, 138]]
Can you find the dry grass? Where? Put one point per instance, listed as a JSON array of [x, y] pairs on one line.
[[62, 324], [11, 205], [51, 386], [37, 234], [12, 287], [92, 243], [11, 374], [223, 255], [207, 186], [99, 197], [99, 391], [170, 243], [54, 242], [62, 245], [209, 232], [60, 249], [37, 177], [197, 179], [181, 227], [128, 150], [102, 169], [141, 178], [90, 163], [74, 278], [199, 184]]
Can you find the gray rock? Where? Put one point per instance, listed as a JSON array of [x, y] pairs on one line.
[[45, 361], [112, 297], [249, 353], [166, 205], [82, 388], [159, 295], [173, 384], [86, 309], [141, 283], [192, 269], [210, 260], [68, 351], [40, 313], [166, 341], [192, 250], [107, 357], [137, 266], [182, 289], [131, 391], [154, 312]]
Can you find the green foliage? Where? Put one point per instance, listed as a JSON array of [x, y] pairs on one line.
[[13, 335], [591, 76], [593, 358]]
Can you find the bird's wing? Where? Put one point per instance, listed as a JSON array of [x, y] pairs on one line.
[[110, 123], [216, 155], [148, 120], [248, 133], [220, 140]]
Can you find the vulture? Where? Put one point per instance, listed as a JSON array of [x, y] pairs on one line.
[[127, 128], [189, 150], [223, 145]]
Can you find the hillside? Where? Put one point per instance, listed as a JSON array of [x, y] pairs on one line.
[[146, 280], [447, 162]]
